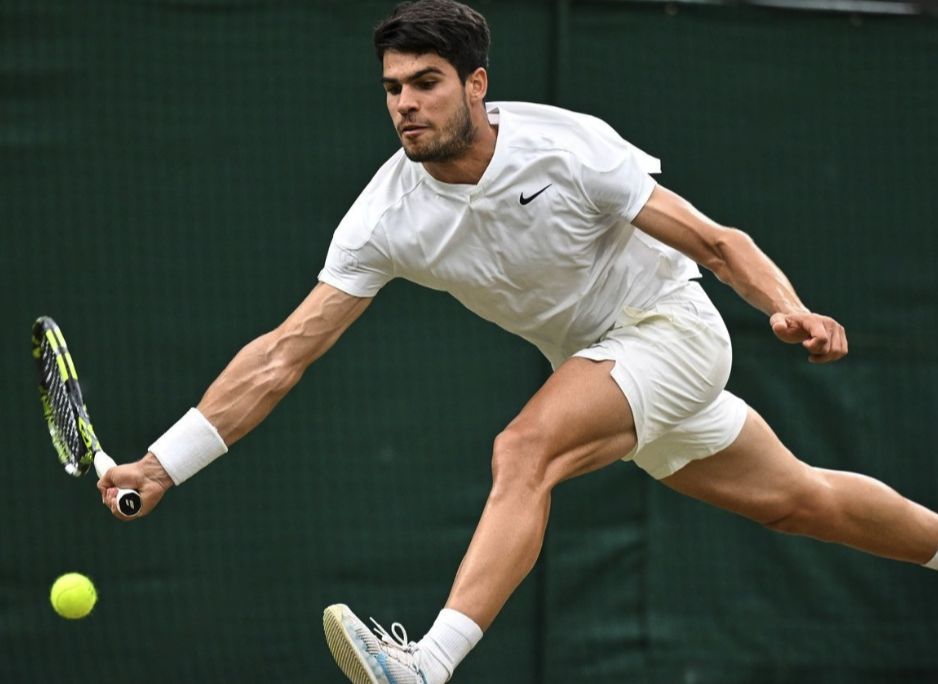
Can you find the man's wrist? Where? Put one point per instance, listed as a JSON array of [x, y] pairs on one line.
[[790, 309], [188, 446], [153, 470]]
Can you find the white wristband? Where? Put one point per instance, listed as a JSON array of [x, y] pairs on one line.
[[188, 446], [933, 563]]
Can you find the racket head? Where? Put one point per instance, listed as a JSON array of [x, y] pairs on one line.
[[63, 407]]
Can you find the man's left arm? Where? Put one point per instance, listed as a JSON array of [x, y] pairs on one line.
[[736, 260]]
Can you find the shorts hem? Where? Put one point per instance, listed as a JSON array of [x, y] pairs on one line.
[[631, 390], [669, 467]]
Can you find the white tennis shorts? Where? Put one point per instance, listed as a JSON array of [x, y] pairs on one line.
[[672, 363]]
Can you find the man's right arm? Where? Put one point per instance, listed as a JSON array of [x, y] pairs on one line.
[[261, 374], [252, 384]]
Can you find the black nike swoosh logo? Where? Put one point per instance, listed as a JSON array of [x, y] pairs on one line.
[[525, 200]]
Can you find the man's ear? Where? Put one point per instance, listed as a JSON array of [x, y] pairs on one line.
[[477, 85]]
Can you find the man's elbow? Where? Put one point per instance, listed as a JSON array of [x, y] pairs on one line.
[[725, 248]]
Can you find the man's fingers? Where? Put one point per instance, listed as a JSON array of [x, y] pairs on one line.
[[103, 483], [110, 500], [835, 349], [824, 358], [103, 486], [818, 343], [112, 504], [821, 336], [108, 489], [107, 493], [838, 341], [787, 329], [135, 476]]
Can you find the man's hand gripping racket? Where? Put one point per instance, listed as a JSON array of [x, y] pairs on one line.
[[66, 414]]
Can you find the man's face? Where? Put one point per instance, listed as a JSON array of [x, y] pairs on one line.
[[428, 106]]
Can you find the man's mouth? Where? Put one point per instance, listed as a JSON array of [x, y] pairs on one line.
[[411, 130]]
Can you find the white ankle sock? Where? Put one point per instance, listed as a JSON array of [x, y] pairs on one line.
[[933, 563], [449, 640]]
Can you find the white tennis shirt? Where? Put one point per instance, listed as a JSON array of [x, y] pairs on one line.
[[542, 245]]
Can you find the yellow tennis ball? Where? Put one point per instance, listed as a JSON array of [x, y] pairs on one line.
[[73, 596]]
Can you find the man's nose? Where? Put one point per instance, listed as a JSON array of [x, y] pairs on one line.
[[406, 101]]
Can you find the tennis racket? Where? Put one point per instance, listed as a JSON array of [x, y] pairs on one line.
[[66, 414]]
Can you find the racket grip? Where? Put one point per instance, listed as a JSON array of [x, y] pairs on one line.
[[128, 500]]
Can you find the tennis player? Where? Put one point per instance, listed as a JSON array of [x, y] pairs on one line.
[[549, 224]]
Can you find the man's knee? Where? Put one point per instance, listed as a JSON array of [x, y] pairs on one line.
[[519, 457], [805, 508]]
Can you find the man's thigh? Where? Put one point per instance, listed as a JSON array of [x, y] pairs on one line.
[[755, 476], [580, 419]]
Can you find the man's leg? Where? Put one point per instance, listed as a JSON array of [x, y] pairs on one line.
[[577, 422], [759, 478]]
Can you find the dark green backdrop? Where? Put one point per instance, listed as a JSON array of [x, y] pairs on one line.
[[170, 176]]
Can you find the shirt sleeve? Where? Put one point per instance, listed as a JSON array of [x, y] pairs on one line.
[[357, 263], [621, 183]]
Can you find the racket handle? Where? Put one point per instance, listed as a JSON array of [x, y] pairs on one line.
[[128, 500]]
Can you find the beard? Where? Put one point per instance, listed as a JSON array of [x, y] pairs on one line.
[[455, 138]]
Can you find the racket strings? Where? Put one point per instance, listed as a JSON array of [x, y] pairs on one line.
[[63, 427]]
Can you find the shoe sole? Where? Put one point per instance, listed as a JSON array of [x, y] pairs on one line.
[[347, 657]]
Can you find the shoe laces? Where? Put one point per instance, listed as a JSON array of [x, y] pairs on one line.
[[397, 638]]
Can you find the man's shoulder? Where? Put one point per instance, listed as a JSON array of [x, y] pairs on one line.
[[538, 113], [393, 182], [532, 126], [586, 140]]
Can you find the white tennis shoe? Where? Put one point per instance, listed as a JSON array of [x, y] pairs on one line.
[[370, 657]]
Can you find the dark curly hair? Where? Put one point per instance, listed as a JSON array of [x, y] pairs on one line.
[[454, 31]]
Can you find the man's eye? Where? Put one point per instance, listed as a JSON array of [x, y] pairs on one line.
[[426, 85], [393, 90]]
